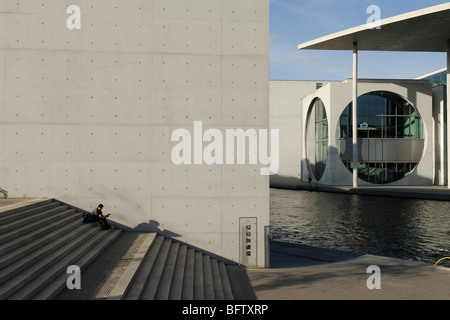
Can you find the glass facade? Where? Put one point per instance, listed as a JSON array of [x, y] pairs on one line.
[[381, 172], [383, 117], [321, 138], [437, 79]]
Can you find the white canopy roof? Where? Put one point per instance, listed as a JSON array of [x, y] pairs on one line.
[[424, 30]]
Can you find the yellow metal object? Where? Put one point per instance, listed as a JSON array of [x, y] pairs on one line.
[[441, 260]]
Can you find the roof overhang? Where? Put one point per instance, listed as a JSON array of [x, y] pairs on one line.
[[425, 30]]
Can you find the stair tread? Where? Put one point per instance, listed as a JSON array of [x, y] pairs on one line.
[[29, 218], [155, 274], [59, 266], [217, 280], [20, 207], [39, 254], [178, 275], [126, 279], [33, 271], [19, 214], [13, 244], [188, 283], [138, 284], [226, 286], [19, 252], [208, 285], [199, 293], [22, 230], [167, 275], [60, 282]]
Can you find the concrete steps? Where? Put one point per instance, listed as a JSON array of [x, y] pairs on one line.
[[165, 269], [37, 244]]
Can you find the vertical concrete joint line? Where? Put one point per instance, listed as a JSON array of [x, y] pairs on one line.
[[355, 115], [448, 114]]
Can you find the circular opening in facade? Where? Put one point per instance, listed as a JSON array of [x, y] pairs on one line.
[[317, 128], [390, 137]]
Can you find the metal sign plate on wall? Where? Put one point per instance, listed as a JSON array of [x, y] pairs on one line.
[[248, 241]]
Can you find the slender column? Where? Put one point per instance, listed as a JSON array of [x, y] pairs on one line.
[[448, 113], [354, 115]]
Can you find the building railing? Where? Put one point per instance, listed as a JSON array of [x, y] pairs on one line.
[[382, 150]]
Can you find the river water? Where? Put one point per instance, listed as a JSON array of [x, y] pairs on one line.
[[410, 229]]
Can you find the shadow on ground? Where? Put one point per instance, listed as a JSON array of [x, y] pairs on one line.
[[287, 255], [96, 278]]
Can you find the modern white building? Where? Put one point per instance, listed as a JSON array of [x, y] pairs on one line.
[[394, 129], [399, 134]]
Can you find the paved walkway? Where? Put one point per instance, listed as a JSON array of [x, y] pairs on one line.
[[300, 272]]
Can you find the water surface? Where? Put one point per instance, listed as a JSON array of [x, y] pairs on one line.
[[411, 229]]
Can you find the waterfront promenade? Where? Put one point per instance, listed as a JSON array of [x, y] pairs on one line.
[[441, 193], [300, 272]]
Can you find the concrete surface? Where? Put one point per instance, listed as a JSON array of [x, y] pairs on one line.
[[101, 276], [301, 272], [11, 203], [417, 192], [307, 273], [88, 114], [120, 288], [297, 272], [286, 115]]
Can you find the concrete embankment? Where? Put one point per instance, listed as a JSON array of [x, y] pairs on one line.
[[441, 193]]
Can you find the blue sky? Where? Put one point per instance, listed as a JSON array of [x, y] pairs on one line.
[[296, 21]]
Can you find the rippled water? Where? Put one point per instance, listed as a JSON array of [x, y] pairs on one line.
[[409, 229]]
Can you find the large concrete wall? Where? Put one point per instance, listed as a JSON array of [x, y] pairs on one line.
[[87, 115]]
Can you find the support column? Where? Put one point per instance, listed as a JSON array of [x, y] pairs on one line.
[[355, 115], [448, 113]]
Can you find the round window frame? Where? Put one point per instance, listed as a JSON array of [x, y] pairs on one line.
[[386, 163], [312, 140]]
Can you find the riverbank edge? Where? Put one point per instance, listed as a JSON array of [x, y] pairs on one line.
[[439, 193]]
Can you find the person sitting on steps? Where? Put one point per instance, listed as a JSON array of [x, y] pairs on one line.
[[101, 217]]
